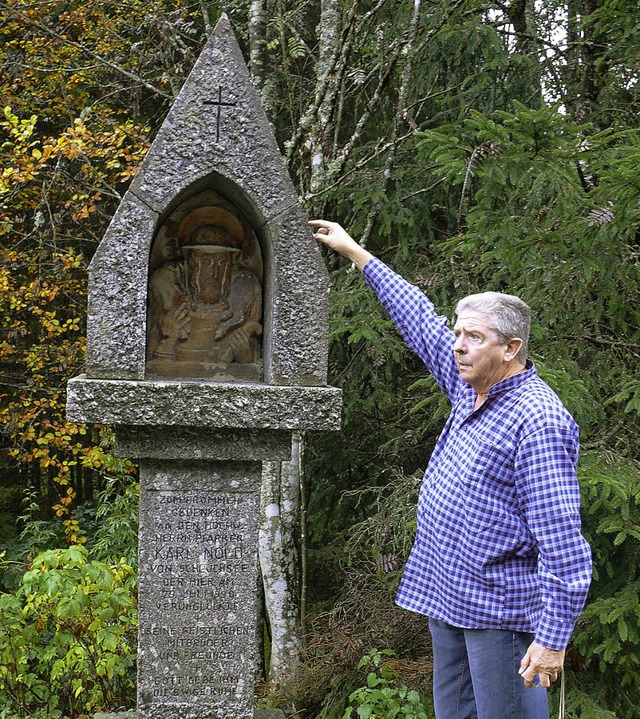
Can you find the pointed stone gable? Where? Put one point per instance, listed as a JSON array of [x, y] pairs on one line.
[[216, 139]]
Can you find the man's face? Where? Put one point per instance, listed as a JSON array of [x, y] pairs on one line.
[[481, 358]]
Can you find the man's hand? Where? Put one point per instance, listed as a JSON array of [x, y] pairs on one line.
[[546, 663], [334, 236]]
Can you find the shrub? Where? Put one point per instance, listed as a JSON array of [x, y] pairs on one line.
[[68, 637], [383, 697]]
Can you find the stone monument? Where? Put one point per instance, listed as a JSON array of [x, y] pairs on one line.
[[207, 347]]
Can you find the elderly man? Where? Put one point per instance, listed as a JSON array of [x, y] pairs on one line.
[[499, 564]]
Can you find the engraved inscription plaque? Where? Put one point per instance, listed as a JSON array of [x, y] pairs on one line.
[[205, 293], [198, 573]]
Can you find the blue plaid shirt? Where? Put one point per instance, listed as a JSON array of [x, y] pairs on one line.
[[498, 542]]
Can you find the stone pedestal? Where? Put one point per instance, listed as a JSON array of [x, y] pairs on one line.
[[207, 347], [197, 592], [201, 446]]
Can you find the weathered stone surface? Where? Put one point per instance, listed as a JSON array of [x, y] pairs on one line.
[[229, 149], [117, 307], [198, 443], [293, 356], [203, 404], [197, 589]]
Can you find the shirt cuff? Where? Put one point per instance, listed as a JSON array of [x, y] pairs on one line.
[[375, 270], [553, 634]]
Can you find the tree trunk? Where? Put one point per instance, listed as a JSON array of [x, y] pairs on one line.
[[570, 72], [258, 57], [521, 14], [586, 69], [327, 86], [594, 67], [400, 116], [279, 561]]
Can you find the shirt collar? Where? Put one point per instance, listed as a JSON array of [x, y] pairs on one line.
[[505, 385]]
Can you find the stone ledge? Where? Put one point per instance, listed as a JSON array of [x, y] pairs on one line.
[[189, 403], [202, 443]]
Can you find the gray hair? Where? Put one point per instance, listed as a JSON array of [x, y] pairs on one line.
[[510, 316]]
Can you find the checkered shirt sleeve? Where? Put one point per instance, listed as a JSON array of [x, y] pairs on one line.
[[425, 333]]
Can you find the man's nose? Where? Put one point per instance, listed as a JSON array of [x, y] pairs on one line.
[[458, 346]]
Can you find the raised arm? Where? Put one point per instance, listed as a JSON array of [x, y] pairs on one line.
[[425, 333]]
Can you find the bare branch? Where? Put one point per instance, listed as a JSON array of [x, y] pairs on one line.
[[101, 60]]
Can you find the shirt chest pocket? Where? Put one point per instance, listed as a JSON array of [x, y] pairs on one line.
[[488, 489], [489, 465]]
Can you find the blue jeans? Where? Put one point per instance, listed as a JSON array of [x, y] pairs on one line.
[[475, 675]]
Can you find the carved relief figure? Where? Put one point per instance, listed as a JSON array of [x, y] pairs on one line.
[[205, 293]]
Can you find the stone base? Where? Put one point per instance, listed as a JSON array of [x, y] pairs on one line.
[[217, 371], [258, 714]]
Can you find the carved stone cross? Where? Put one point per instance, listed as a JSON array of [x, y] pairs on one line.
[[219, 104]]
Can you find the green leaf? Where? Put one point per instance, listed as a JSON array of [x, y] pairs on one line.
[[364, 711]]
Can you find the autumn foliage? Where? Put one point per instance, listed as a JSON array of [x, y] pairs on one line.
[[81, 82]]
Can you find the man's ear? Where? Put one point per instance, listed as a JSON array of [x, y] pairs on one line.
[[513, 347]]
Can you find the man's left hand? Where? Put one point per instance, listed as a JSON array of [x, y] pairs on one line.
[[546, 663]]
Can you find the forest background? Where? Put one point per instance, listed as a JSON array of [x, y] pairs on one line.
[[471, 145]]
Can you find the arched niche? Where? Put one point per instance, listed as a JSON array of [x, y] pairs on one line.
[[205, 294]]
